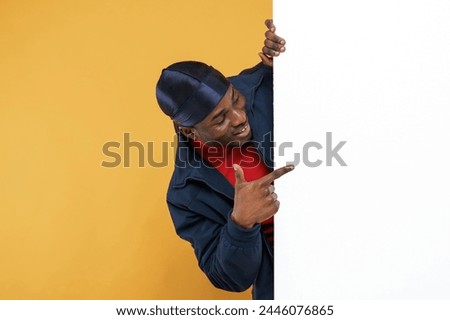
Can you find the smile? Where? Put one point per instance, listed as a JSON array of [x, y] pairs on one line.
[[243, 131]]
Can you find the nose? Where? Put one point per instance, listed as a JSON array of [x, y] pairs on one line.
[[238, 117]]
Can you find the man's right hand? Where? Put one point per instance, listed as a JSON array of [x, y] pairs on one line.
[[255, 201]]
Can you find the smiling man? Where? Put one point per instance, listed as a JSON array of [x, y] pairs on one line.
[[221, 196]]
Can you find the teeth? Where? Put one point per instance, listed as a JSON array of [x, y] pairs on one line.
[[243, 129]]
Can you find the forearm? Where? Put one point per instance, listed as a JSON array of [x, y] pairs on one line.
[[236, 260], [228, 254]]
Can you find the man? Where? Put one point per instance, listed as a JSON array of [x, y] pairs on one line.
[[224, 131]]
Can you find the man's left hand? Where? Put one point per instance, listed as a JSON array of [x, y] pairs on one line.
[[273, 45]]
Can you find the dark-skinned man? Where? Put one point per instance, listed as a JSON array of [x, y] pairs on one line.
[[221, 196]]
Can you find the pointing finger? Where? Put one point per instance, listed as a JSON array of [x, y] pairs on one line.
[[268, 179]]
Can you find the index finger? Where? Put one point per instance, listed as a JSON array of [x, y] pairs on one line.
[[271, 35], [268, 179]]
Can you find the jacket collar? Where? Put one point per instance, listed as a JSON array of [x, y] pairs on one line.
[[189, 165]]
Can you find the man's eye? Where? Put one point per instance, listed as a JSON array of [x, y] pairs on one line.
[[222, 120]]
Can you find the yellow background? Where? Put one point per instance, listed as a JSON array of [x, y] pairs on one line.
[[73, 76]]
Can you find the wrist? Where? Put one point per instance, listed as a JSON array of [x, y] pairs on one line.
[[246, 225]]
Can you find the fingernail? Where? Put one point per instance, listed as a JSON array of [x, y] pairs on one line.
[[282, 42], [234, 167], [282, 49], [272, 29], [290, 166]]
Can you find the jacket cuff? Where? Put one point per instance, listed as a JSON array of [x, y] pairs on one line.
[[240, 236]]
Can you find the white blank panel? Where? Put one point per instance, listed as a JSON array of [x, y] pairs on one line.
[[376, 75]]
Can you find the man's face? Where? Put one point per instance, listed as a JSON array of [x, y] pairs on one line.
[[227, 124]]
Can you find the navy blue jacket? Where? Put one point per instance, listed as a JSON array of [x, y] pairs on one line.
[[200, 201]]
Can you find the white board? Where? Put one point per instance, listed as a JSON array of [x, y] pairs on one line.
[[375, 74]]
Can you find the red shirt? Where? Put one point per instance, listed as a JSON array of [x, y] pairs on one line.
[[247, 157]]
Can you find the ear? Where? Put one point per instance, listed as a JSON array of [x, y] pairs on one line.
[[189, 132]]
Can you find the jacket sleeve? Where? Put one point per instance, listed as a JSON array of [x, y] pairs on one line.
[[260, 68], [228, 254]]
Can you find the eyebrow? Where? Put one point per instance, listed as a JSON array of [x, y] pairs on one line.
[[223, 111]]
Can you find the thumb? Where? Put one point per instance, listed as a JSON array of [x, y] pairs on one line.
[[239, 174], [265, 59]]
